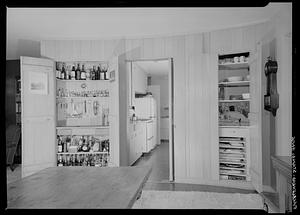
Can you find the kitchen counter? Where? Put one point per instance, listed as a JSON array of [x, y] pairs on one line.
[[78, 187]]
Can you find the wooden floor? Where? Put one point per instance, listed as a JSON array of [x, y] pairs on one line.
[[158, 158]]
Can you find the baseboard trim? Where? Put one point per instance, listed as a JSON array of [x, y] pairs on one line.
[[232, 184]]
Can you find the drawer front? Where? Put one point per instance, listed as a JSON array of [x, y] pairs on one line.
[[233, 132], [149, 130]]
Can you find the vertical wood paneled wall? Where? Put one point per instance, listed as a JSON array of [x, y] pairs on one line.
[[184, 50]]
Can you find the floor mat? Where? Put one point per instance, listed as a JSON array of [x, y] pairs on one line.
[[197, 200]]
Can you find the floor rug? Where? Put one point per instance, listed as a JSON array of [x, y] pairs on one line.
[[151, 199]]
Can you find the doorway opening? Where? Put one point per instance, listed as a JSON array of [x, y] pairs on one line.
[[153, 78]]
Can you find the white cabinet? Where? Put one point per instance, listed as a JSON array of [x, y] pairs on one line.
[[155, 141], [49, 110], [136, 140], [139, 140]]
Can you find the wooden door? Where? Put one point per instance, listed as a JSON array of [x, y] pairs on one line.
[[256, 171], [114, 137], [202, 117], [38, 114], [171, 120]]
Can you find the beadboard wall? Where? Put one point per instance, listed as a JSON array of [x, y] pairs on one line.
[[186, 50]]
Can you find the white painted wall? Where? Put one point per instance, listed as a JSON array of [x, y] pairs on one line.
[[35, 24], [181, 48], [162, 81], [282, 24], [139, 79]]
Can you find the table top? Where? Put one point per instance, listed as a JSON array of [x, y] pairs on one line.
[[78, 187]]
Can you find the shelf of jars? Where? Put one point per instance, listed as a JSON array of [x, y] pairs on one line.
[[82, 127], [82, 70], [234, 100], [234, 61], [85, 150], [96, 160], [233, 65], [82, 104]]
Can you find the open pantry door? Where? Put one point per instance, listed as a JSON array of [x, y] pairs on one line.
[[113, 117], [38, 114], [256, 169]]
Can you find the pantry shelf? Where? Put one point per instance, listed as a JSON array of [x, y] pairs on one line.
[[234, 174], [232, 147], [234, 107], [243, 100], [64, 80], [233, 162], [233, 168], [78, 153], [230, 65], [83, 127], [234, 83]]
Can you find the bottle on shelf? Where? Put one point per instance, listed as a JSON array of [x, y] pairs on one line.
[[59, 145], [78, 72], [58, 70], [67, 160], [88, 74], [63, 72], [73, 73], [67, 144], [105, 72], [83, 73], [70, 160], [90, 143], [63, 145], [101, 73], [68, 73], [98, 73], [85, 146], [93, 73], [60, 161], [92, 161], [83, 160], [78, 160], [96, 162]]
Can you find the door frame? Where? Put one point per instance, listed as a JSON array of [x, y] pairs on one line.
[[171, 108]]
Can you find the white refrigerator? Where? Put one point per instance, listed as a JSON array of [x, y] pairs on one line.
[[145, 107]]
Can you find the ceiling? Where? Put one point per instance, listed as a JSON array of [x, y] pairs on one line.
[[154, 68], [36, 24]]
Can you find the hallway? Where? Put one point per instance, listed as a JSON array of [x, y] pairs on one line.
[[158, 158]]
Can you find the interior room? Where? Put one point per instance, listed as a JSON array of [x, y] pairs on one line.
[[150, 108], [155, 76]]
